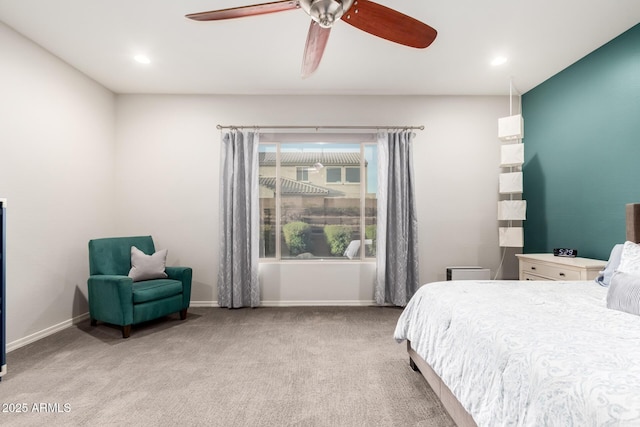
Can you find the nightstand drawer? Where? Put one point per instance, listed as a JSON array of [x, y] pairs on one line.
[[550, 272], [529, 276], [549, 267]]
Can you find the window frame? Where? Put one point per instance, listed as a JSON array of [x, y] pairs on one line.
[[300, 170], [347, 182], [326, 177], [362, 257]]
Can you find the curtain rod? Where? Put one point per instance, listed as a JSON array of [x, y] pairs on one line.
[[323, 127]]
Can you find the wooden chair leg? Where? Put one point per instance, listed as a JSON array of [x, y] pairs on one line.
[[183, 314], [126, 331]]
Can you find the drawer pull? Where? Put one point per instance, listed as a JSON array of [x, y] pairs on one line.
[[533, 268], [561, 274]]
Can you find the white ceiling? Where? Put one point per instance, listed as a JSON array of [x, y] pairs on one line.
[[263, 54]]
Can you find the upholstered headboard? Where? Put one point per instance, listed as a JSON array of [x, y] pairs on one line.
[[633, 222]]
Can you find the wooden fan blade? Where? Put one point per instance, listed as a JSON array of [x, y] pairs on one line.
[[389, 24], [314, 49], [239, 12]]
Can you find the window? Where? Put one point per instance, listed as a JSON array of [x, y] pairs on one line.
[[302, 174], [352, 175], [334, 175], [306, 210]]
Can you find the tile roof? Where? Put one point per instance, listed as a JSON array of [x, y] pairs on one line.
[[292, 187], [311, 158]]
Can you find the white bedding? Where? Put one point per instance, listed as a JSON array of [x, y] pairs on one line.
[[522, 353]]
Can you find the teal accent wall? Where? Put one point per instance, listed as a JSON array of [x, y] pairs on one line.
[[582, 151]]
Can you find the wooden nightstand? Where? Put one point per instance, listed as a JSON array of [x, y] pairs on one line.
[[549, 267]]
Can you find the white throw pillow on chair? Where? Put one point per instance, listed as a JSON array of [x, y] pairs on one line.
[[147, 267]]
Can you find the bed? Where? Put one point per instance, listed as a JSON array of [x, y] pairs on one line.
[[527, 353]]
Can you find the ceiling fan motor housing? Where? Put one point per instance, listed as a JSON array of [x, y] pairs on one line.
[[326, 12]]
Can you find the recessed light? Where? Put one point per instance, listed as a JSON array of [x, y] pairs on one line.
[[142, 59], [499, 60]]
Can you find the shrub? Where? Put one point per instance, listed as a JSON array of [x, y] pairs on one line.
[[297, 236], [338, 238], [370, 232]]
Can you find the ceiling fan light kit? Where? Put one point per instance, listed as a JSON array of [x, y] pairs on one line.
[[326, 12], [365, 15]]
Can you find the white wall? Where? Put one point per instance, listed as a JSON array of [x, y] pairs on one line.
[[167, 181], [56, 170]]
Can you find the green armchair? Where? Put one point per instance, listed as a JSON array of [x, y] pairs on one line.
[[116, 299]]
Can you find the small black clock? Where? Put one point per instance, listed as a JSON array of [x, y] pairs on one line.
[[566, 252]]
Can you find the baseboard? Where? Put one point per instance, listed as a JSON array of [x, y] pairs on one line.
[[205, 304], [314, 303], [46, 332]]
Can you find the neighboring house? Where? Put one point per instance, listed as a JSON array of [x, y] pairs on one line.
[[312, 174]]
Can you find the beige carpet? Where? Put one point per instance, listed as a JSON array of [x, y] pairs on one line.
[[324, 366]]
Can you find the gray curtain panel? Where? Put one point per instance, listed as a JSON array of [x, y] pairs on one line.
[[239, 221], [397, 255]]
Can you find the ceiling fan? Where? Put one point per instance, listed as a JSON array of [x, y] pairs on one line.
[[365, 15]]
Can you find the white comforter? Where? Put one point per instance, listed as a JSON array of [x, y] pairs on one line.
[[529, 353]]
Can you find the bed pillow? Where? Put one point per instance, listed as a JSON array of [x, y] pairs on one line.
[[604, 277], [147, 267], [624, 293], [630, 259]]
